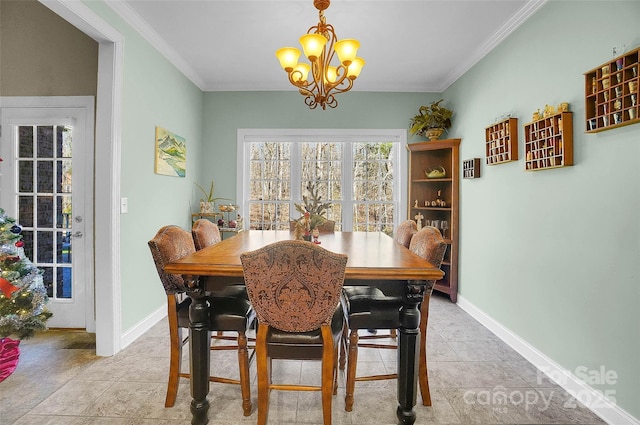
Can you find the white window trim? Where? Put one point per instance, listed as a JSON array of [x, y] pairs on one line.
[[398, 137]]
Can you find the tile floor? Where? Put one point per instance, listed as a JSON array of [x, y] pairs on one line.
[[474, 379]]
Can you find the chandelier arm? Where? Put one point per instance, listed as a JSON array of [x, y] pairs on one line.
[[341, 76], [330, 102], [297, 83]]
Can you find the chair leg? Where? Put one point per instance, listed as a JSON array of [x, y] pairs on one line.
[[423, 375], [175, 342], [264, 374], [352, 363], [328, 373], [343, 345], [243, 362]]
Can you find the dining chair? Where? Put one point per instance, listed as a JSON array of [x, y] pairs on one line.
[[378, 310], [402, 235], [295, 288], [206, 233], [227, 313]]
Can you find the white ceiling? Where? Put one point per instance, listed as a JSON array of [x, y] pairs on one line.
[[408, 45]]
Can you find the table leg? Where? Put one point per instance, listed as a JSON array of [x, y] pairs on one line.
[[408, 347], [199, 366]]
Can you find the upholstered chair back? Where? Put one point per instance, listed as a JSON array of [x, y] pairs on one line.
[[169, 244], [429, 244], [205, 233], [294, 285], [405, 231]]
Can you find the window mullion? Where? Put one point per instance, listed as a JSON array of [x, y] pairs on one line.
[[347, 186], [296, 172]]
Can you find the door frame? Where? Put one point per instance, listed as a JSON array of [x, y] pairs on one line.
[[83, 110], [107, 169]]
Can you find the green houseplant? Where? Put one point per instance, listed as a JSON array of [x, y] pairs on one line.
[[431, 121], [208, 201]]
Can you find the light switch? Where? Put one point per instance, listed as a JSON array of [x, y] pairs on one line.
[[124, 205]]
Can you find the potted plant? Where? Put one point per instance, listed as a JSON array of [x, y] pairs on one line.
[[431, 121], [312, 210], [208, 202]]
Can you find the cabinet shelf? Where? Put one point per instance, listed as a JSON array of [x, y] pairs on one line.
[[428, 156], [612, 93], [432, 208], [433, 180]]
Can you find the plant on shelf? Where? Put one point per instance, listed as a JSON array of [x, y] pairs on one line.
[[208, 202], [431, 121], [312, 209]]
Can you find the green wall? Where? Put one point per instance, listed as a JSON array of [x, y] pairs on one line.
[[554, 255], [155, 93]]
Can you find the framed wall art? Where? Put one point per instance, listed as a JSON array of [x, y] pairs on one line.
[[171, 154]]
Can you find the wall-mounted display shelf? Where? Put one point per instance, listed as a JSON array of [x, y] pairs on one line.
[[612, 93], [548, 142], [502, 142], [471, 168], [434, 200]]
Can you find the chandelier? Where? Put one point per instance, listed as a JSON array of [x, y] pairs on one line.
[[320, 45]]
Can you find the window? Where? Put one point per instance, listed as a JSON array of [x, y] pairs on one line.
[[360, 172]]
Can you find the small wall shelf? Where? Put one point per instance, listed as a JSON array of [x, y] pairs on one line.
[[612, 93], [548, 142], [471, 168], [502, 142]]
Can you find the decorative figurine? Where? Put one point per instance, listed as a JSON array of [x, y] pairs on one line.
[[419, 217], [315, 233], [415, 204], [536, 115]]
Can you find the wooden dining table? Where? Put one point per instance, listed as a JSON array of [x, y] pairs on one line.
[[373, 257]]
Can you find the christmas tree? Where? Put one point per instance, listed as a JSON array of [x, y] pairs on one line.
[[22, 293]]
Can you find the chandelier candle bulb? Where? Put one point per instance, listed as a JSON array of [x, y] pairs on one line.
[[313, 44], [332, 74], [288, 57], [346, 50], [355, 67]]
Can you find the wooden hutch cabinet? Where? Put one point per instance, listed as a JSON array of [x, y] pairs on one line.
[[433, 199]]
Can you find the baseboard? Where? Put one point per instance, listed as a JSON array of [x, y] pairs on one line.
[[591, 398], [143, 326]]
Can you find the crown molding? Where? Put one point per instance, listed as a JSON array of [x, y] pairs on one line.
[[524, 13], [132, 18]]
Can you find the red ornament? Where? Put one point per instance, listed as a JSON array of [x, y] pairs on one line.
[[7, 288], [20, 244]]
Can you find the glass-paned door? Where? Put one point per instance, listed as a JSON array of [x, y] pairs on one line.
[[46, 185]]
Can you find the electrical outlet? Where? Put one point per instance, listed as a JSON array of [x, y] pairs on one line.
[[124, 205]]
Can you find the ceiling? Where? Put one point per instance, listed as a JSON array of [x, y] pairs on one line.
[[408, 45]]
